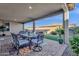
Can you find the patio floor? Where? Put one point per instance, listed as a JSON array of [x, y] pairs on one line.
[[50, 48]]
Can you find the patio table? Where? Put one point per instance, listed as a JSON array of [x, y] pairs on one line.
[[29, 38]]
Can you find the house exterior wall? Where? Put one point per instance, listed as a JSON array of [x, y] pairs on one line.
[[14, 28], [0, 25], [51, 28]]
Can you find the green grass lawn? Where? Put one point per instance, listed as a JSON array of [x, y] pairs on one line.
[[51, 37]]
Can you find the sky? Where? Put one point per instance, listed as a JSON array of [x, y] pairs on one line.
[[73, 19]]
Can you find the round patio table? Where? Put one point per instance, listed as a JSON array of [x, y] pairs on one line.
[[29, 38], [36, 48]]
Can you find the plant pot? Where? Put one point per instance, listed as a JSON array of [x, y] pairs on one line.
[[60, 41]]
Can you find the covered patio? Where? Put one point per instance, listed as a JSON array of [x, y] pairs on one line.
[[19, 14], [50, 48]]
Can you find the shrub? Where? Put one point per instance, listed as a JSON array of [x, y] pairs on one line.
[[60, 31], [75, 44], [53, 33], [76, 30]]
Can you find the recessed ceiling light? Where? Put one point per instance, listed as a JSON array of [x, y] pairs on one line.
[[30, 7]]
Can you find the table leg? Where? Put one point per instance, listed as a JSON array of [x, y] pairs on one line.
[[30, 45]]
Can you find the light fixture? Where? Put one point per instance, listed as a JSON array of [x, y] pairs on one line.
[[30, 7]]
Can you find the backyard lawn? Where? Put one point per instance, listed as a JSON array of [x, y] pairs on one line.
[[52, 37], [55, 38]]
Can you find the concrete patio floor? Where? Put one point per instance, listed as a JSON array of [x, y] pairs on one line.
[[50, 48]]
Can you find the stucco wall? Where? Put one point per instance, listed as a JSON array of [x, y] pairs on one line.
[[14, 28], [0, 25], [0, 22]]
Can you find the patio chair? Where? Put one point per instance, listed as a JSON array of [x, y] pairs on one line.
[[22, 32], [37, 42], [19, 43]]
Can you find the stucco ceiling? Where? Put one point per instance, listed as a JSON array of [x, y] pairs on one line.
[[20, 12]]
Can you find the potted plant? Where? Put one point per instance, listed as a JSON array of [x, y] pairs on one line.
[[60, 32]]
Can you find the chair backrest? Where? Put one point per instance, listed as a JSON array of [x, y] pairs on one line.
[[15, 40], [40, 36], [22, 32]]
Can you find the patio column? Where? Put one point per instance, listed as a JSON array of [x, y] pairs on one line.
[[23, 26], [33, 25], [65, 24]]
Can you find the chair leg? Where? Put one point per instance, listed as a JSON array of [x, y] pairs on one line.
[[37, 48], [30, 44], [17, 51], [12, 50]]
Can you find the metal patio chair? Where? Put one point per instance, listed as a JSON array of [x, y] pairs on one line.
[[37, 41], [19, 43]]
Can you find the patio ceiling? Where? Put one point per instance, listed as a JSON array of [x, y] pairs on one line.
[[26, 12]]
